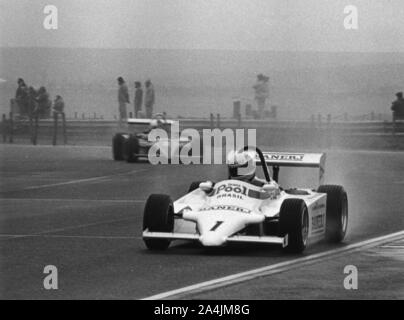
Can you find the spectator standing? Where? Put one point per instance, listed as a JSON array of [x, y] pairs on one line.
[[261, 88], [58, 109], [149, 99], [32, 103], [138, 98], [59, 105], [123, 99], [398, 107], [33, 113], [21, 97], [44, 103]]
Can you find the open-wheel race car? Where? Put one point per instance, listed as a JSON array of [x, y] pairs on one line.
[[234, 210], [135, 144]]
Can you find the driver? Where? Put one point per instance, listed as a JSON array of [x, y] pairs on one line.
[[154, 124], [242, 166]]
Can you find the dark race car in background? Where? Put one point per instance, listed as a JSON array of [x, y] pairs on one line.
[[135, 143]]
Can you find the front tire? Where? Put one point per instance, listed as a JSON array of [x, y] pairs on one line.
[[158, 216], [294, 222], [337, 212]]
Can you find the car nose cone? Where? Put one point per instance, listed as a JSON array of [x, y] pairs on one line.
[[211, 239]]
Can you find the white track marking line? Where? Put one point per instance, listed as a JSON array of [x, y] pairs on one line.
[[272, 269], [82, 180], [32, 178], [68, 236], [74, 200], [67, 228], [392, 247]]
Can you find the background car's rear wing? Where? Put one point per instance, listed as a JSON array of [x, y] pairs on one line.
[[292, 159], [146, 121]]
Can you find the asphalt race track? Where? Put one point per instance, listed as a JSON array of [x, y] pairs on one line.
[[76, 209]]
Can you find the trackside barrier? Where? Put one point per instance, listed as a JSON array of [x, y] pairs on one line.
[[269, 132], [7, 130], [29, 128]]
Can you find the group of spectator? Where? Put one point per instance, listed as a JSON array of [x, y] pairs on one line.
[[36, 103], [123, 99]]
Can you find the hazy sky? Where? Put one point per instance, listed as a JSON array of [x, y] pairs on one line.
[[206, 24]]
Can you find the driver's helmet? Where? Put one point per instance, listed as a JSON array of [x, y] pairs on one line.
[[241, 165], [155, 123]]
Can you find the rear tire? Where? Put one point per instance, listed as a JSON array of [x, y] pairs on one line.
[[337, 212], [131, 149], [158, 217], [294, 222], [117, 146]]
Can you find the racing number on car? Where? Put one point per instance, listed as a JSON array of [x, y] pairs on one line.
[[217, 224]]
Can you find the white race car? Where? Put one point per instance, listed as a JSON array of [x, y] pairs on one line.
[[237, 211]]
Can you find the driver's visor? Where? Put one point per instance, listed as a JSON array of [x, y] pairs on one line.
[[233, 169]]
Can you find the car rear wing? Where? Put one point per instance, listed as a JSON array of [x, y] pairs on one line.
[[146, 121], [294, 159]]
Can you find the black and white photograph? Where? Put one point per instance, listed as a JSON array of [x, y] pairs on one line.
[[202, 154]]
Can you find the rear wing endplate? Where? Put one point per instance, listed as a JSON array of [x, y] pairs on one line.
[[292, 159]]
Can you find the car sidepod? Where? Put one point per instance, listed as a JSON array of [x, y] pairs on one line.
[[317, 206]]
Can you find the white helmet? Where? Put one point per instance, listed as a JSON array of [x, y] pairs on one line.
[[155, 123], [241, 165]]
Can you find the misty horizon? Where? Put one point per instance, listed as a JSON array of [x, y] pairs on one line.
[[196, 82]]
